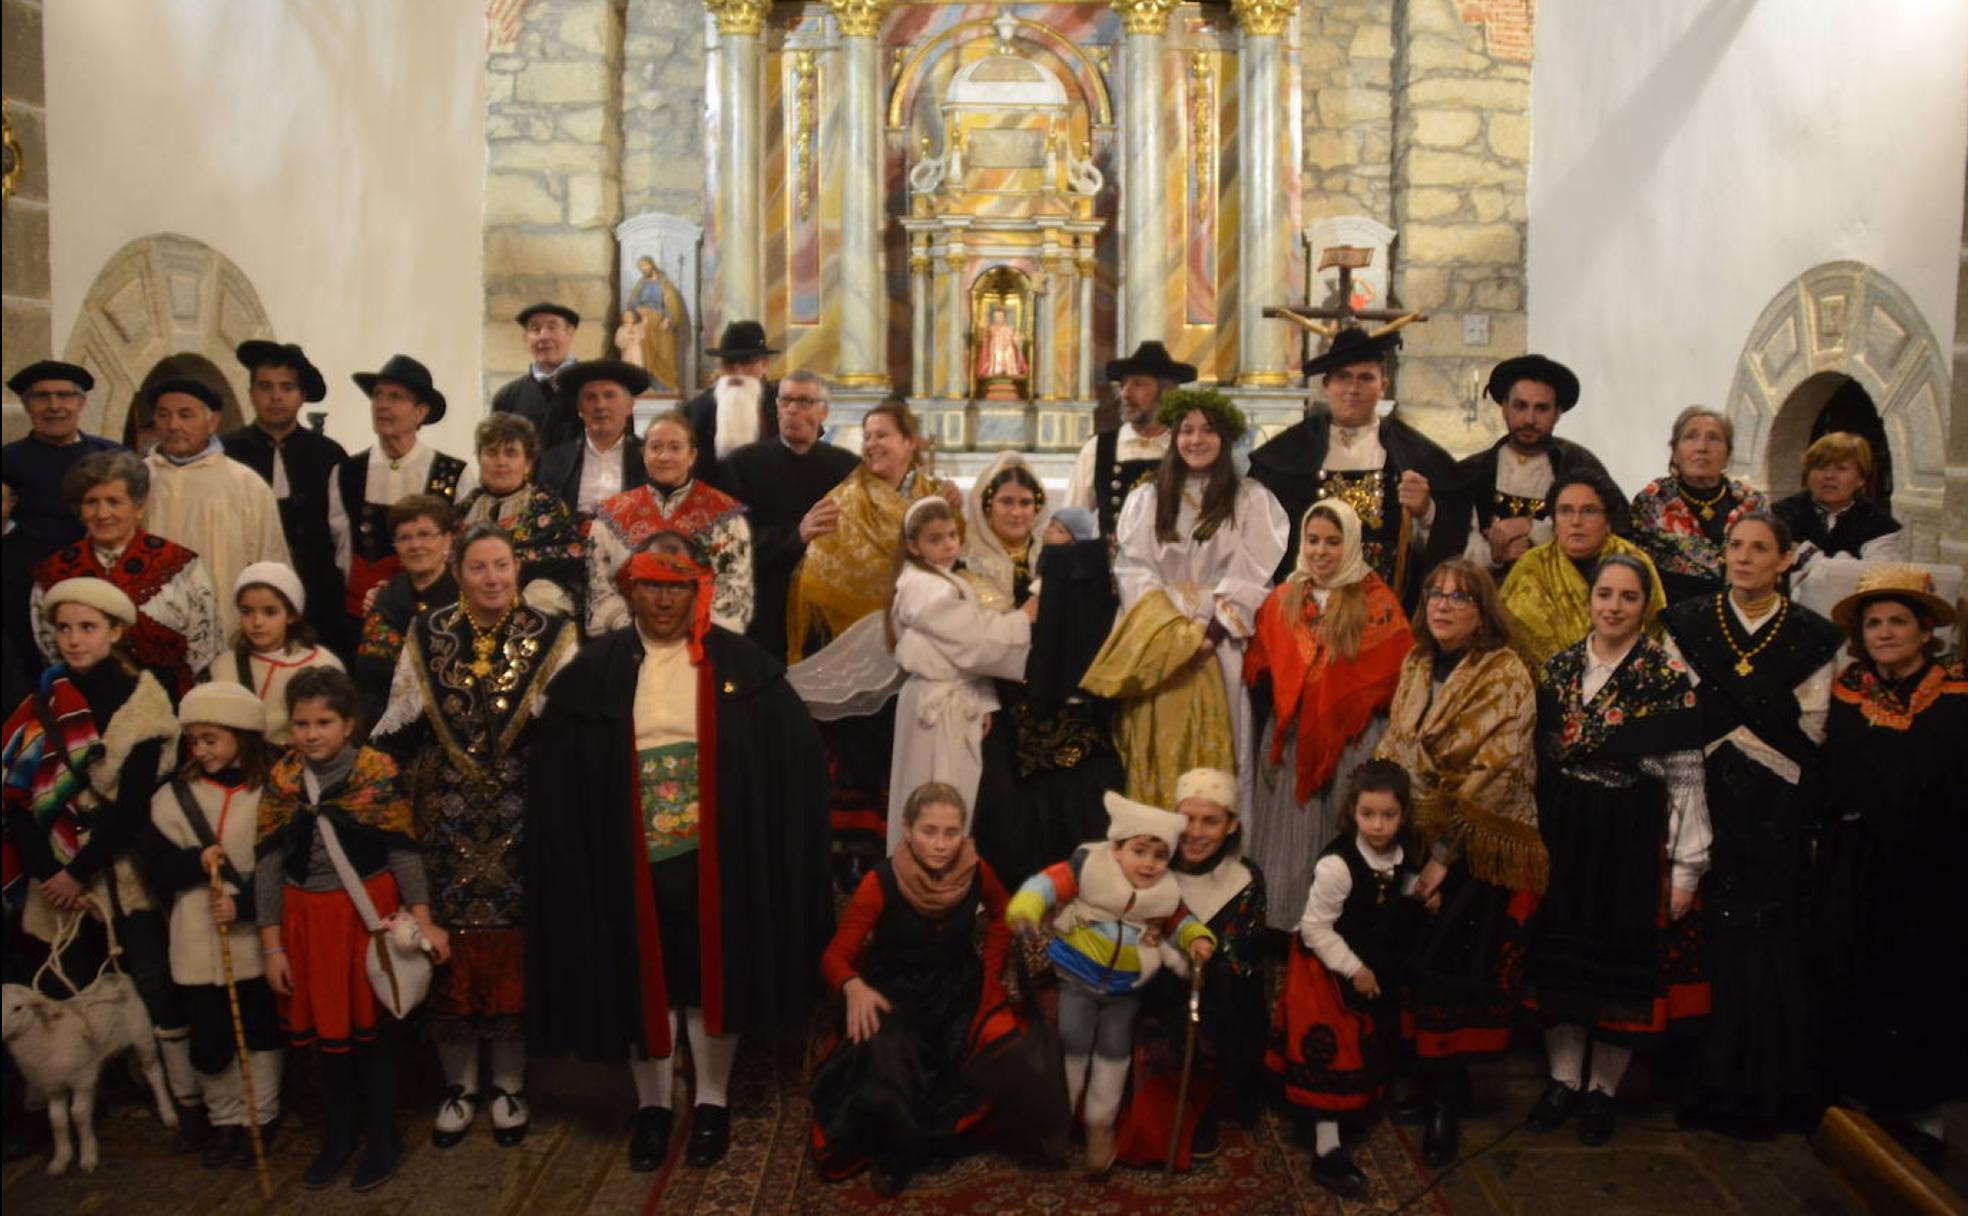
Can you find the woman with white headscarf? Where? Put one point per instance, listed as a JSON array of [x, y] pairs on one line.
[[1005, 516], [1328, 648]]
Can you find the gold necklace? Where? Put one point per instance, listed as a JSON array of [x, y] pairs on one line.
[[485, 641], [1743, 657], [1705, 506]]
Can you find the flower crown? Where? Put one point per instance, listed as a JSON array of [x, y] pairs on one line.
[[1222, 412]]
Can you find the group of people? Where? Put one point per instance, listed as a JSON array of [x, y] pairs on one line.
[[1468, 746]]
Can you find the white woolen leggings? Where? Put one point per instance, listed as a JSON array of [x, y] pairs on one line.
[[1565, 1044], [711, 1054]]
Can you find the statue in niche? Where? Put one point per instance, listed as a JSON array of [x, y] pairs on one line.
[[1000, 353], [658, 307]]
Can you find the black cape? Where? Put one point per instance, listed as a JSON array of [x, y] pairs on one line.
[[311, 459], [560, 468], [702, 412], [1863, 522], [1476, 477], [778, 487], [1291, 465], [536, 401], [584, 992]]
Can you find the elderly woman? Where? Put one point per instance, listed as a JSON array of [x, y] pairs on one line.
[[1894, 768], [177, 631], [1764, 668], [1545, 592], [1195, 552], [1615, 953], [545, 534], [673, 501], [1461, 724], [1679, 520], [1832, 514], [459, 722], [420, 527]]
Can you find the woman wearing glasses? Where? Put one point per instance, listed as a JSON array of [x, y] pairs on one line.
[[1545, 594], [1461, 724]]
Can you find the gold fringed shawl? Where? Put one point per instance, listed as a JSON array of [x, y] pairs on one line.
[[849, 572], [1469, 753], [1545, 598], [1173, 714]]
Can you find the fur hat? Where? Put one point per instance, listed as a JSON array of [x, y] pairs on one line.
[[1209, 784], [223, 703], [278, 575], [1127, 819], [101, 594]]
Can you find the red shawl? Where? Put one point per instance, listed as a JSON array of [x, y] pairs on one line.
[[1331, 700]]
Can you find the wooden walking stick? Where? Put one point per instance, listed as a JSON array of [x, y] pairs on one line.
[[1194, 1021], [239, 1047]]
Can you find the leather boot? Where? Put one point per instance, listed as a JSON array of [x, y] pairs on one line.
[[382, 1149], [337, 1080], [1441, 1136]]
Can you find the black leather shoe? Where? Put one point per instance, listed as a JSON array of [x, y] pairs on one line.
[[710, 1135], [889, 1178], [649, 1143], [378, 1164], [1412, 1109], [222, 1144], [194, 1129], [1336, 1172], [1442, 1135], [1556, 1106], [1595, 1119]]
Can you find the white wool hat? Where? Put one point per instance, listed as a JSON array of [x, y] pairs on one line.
[[223, 703], [101, 594], [1127, 819], [1210, 784], [278, 575]]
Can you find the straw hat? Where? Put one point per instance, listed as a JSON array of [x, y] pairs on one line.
[[1910, 583]]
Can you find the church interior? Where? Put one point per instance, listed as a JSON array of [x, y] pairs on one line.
[[1753, 205]]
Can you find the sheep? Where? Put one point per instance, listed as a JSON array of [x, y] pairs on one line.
[[61, 1046]]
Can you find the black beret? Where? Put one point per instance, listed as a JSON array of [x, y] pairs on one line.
[[50, 369], [190, 388]]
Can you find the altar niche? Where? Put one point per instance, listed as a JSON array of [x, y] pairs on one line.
[[1001, 336]]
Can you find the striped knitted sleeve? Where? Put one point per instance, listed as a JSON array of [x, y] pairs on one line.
[[1045, 891]]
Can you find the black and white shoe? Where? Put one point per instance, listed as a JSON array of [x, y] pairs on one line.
[[509, 1117], [456, 1113]]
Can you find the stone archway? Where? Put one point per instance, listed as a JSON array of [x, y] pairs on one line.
[[1847, 319], [160, 296]]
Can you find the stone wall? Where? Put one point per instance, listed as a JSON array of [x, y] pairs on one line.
[[553, 183], [664, 158], [1348, 75], [24, 281]]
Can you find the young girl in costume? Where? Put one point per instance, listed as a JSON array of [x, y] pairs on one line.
[[220, 783], [1120, 904], [311, 935], [951, 645], [273, 642], [1335, 1037], [904, 960]]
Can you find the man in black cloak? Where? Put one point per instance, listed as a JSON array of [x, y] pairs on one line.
[[676, 852]]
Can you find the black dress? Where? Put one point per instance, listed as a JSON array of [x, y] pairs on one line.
[[778, 487], [1894, 929], [309, 460], [1760, 1057]]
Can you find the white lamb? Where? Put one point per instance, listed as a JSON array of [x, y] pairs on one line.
[[61, 1046]]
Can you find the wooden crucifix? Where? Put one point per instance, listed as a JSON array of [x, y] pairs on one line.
[[1328, 321]]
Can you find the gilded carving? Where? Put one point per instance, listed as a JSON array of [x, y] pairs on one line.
[[803, 104], [739, 17], [1202, 138], [1144, 16], [1263, 17], [859, 18]]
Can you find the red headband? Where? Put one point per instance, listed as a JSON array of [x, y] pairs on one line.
[[651, 566]]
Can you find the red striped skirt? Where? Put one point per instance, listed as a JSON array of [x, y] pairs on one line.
[[332, 1007]]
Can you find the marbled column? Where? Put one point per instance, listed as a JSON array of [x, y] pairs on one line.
[[1086, 267], [1262, 354], [1144, 199], [923, 372], [954, 321], [1044, 341], [859, 302], [741, 151]]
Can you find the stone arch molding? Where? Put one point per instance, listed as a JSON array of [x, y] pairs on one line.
[[160, 295], [1848, 319]]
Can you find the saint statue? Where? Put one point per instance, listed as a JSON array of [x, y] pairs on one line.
[[998, 355], [659, 306]]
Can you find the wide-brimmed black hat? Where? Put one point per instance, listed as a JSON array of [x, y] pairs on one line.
[[1349, 346], [49, 369], [1150, 359], [206, 394], [570, 379], [260, 353], [411, 375], [740, 341], [559, 310], [1534, 367]]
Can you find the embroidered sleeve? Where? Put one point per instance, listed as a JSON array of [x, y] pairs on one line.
[[1688, 834], [606, 608], [405, 707], [731, 560], [195, 604]]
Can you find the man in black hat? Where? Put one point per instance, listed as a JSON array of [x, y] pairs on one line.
[[402, 400], [607, 459], [1396, 478], [1113, 462], [297, 462], [740, 408], [550, 341], [1505, 484], [54, 394]]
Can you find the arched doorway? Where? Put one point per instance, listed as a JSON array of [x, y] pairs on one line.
[[185, 365], [1840, 337], [163, 297]]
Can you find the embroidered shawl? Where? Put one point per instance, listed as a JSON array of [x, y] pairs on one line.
[[1861, 688], [1546, 601], [849, 572], [1648, 706], [1666, 527], [372, 797], [44, 775]]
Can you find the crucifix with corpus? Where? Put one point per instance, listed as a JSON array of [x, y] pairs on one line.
[[1329, 321]]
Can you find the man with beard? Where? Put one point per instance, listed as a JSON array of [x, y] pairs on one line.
[[739, 408], [1394, 477], [550, 341], [784, 482], [1507, 485], [1113, 462], [54, 394], [606, 459], [687, 737]]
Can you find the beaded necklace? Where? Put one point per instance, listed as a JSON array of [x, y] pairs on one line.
[[1743, 657]]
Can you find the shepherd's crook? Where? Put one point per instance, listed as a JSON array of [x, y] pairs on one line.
[[1188, 1061], [239, 1049]]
